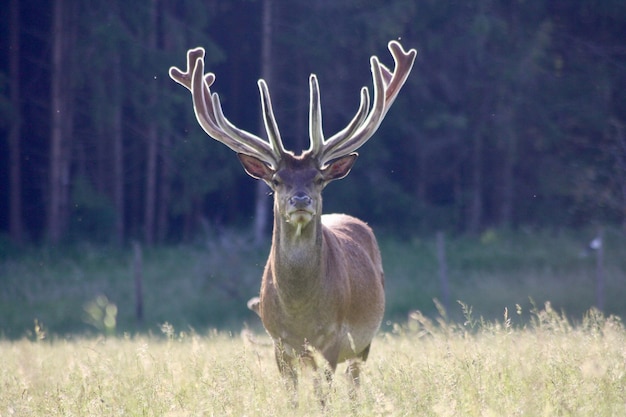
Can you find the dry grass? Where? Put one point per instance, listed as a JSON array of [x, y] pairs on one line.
[[549, 367]]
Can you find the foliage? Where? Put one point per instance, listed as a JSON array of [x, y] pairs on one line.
[[93, 215], [6, 110], [513, 115], [550, 367]]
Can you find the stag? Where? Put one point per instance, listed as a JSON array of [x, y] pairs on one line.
[[323, 285]]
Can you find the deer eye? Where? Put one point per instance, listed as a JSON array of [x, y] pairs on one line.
[[319, 180], [275, 181]]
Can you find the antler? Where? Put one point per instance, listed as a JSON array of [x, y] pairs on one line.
[[387, 84], [210, 116]]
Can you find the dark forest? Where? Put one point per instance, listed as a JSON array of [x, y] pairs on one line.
[[514, 115]]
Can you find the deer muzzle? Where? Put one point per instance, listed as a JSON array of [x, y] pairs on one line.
[[300, 201], [300, 210]]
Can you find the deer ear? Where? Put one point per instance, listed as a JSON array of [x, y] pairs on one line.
[[339, 167], [255, 167]]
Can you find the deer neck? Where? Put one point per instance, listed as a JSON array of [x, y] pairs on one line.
[[297, 257]]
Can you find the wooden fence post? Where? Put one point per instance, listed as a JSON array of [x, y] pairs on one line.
[[138, 280], [443, 269], [598, 245]]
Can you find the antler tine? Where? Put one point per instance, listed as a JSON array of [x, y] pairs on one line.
[[184, 78], [403, 65], [337, 145], [315, 119], [269, 120], [316, 134], [242, 141], [387, 84], [210, 116]]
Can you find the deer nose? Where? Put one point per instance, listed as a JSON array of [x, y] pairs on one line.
[[300, 200]]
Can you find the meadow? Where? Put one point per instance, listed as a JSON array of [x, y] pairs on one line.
[[547, 367], [524, 340], [89, 289]]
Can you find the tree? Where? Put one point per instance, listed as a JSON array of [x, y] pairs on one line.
[[261, 208], [152, 135], [15, 131], [118, 149], [512, 116], [62, 118]]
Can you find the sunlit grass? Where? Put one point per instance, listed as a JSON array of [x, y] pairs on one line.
[[86, 355], [547, 367]]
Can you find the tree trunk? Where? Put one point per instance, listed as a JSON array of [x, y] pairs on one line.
[[507, 185], [16, 230], [261, 215], [61, 122], [476, 198], [151, 183], [420, 172], [620, 154], [118, 151], [165, 194], [152, 152], [166, 172]]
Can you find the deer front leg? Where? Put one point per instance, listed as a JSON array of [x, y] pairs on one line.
[[287, 368], [323, 385], [322, 374], [324, 365]]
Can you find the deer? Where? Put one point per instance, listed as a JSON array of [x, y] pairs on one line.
[[322, 295]]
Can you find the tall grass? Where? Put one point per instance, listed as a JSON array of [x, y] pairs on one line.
[[525, 364]]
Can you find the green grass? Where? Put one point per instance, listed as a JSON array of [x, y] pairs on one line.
[[72, 346], [528, 364], [498, 270], [206, 285], [200, 286]]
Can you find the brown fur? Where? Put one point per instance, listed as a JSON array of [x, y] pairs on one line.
[[338, 309], [322, 290]]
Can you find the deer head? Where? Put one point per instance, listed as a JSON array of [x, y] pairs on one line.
[[296, 180]]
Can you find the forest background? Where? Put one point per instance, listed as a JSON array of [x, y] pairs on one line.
[[513, 116], [513, 119]]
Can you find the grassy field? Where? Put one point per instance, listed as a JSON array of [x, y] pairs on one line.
[[547, 367], [89, 289], [70, 344]]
